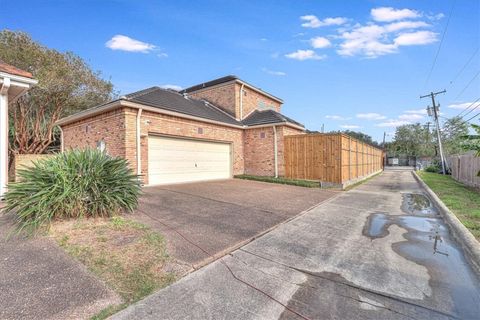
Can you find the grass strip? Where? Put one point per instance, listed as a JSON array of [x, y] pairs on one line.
[[293, 182], [462, 200]]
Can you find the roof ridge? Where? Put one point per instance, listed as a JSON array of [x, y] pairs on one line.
[[140, 93]]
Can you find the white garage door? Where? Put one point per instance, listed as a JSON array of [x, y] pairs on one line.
[[175, 160]]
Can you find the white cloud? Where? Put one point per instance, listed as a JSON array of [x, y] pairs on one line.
[[320, 42], [305, 55], [386, 14], [162, 55], [274, 73], [417, 111], [335, 117], [376, 40], [349, 126], [416, 38], [371, 116], [393, 123], [410, 117], [124, 43], [171, 86], [312, 21], [263, 39], [463, 106], [397, 26]]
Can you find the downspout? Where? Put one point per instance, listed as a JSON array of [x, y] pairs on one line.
[[62, 148], [4, 136], [275, 148], [241, 101], [139, 159]]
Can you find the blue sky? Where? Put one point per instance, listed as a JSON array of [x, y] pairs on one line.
[[357, 65]]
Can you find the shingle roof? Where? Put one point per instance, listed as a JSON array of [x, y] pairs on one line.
[[4, 67], [173, 101], [266, 117], [210, 83]]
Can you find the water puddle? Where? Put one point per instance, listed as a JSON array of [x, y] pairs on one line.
[[429, 243], [417, 204]]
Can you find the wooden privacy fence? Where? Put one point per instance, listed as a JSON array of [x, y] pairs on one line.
[[465, 168], [335, 158]]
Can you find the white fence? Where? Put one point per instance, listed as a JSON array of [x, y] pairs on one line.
[[465, 169]]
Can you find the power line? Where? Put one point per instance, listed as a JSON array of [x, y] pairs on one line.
[[439, 46], [458, 115], [464, 66], [468, 85], [478, 114], [476, 107]]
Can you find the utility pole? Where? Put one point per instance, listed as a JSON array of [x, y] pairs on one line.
[[434, 111]]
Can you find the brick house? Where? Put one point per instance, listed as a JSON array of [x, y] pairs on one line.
[[213, 130]]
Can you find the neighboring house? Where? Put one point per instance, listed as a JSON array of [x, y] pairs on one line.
[[13, 83], [209, 131]]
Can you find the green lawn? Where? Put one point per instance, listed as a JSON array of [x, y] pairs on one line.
[[293, 182], [463, 201]]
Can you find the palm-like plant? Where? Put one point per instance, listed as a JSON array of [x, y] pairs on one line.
[[78, 183]]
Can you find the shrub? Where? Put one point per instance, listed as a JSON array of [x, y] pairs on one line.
[[79, 183], [432, 168]]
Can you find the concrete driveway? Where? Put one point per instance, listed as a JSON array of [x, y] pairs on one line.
[[219, 216], [379, 251]]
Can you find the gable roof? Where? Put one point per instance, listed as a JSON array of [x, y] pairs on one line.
[[174, 101], [226, 79], [269, 116], [4, 67]]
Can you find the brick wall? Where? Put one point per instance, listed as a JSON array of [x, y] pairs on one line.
[[224, 96], [109, 126], [254, 100], [259, 152], [227, 97]]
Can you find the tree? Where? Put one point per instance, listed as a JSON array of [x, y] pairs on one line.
[[412, 140], [362, 137], [472, 142], [66, 84], [453, 133]]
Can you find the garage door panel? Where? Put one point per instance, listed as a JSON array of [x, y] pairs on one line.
[[175, 160]]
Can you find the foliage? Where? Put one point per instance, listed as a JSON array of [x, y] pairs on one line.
[[472, 142], [417, 139], [463, 201], [66, 84], [79, 183], [412, 140], [453, 132], [361, 137], [432, 168], [293, 182]]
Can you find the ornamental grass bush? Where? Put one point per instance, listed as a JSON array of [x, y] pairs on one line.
[[73, 184]]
